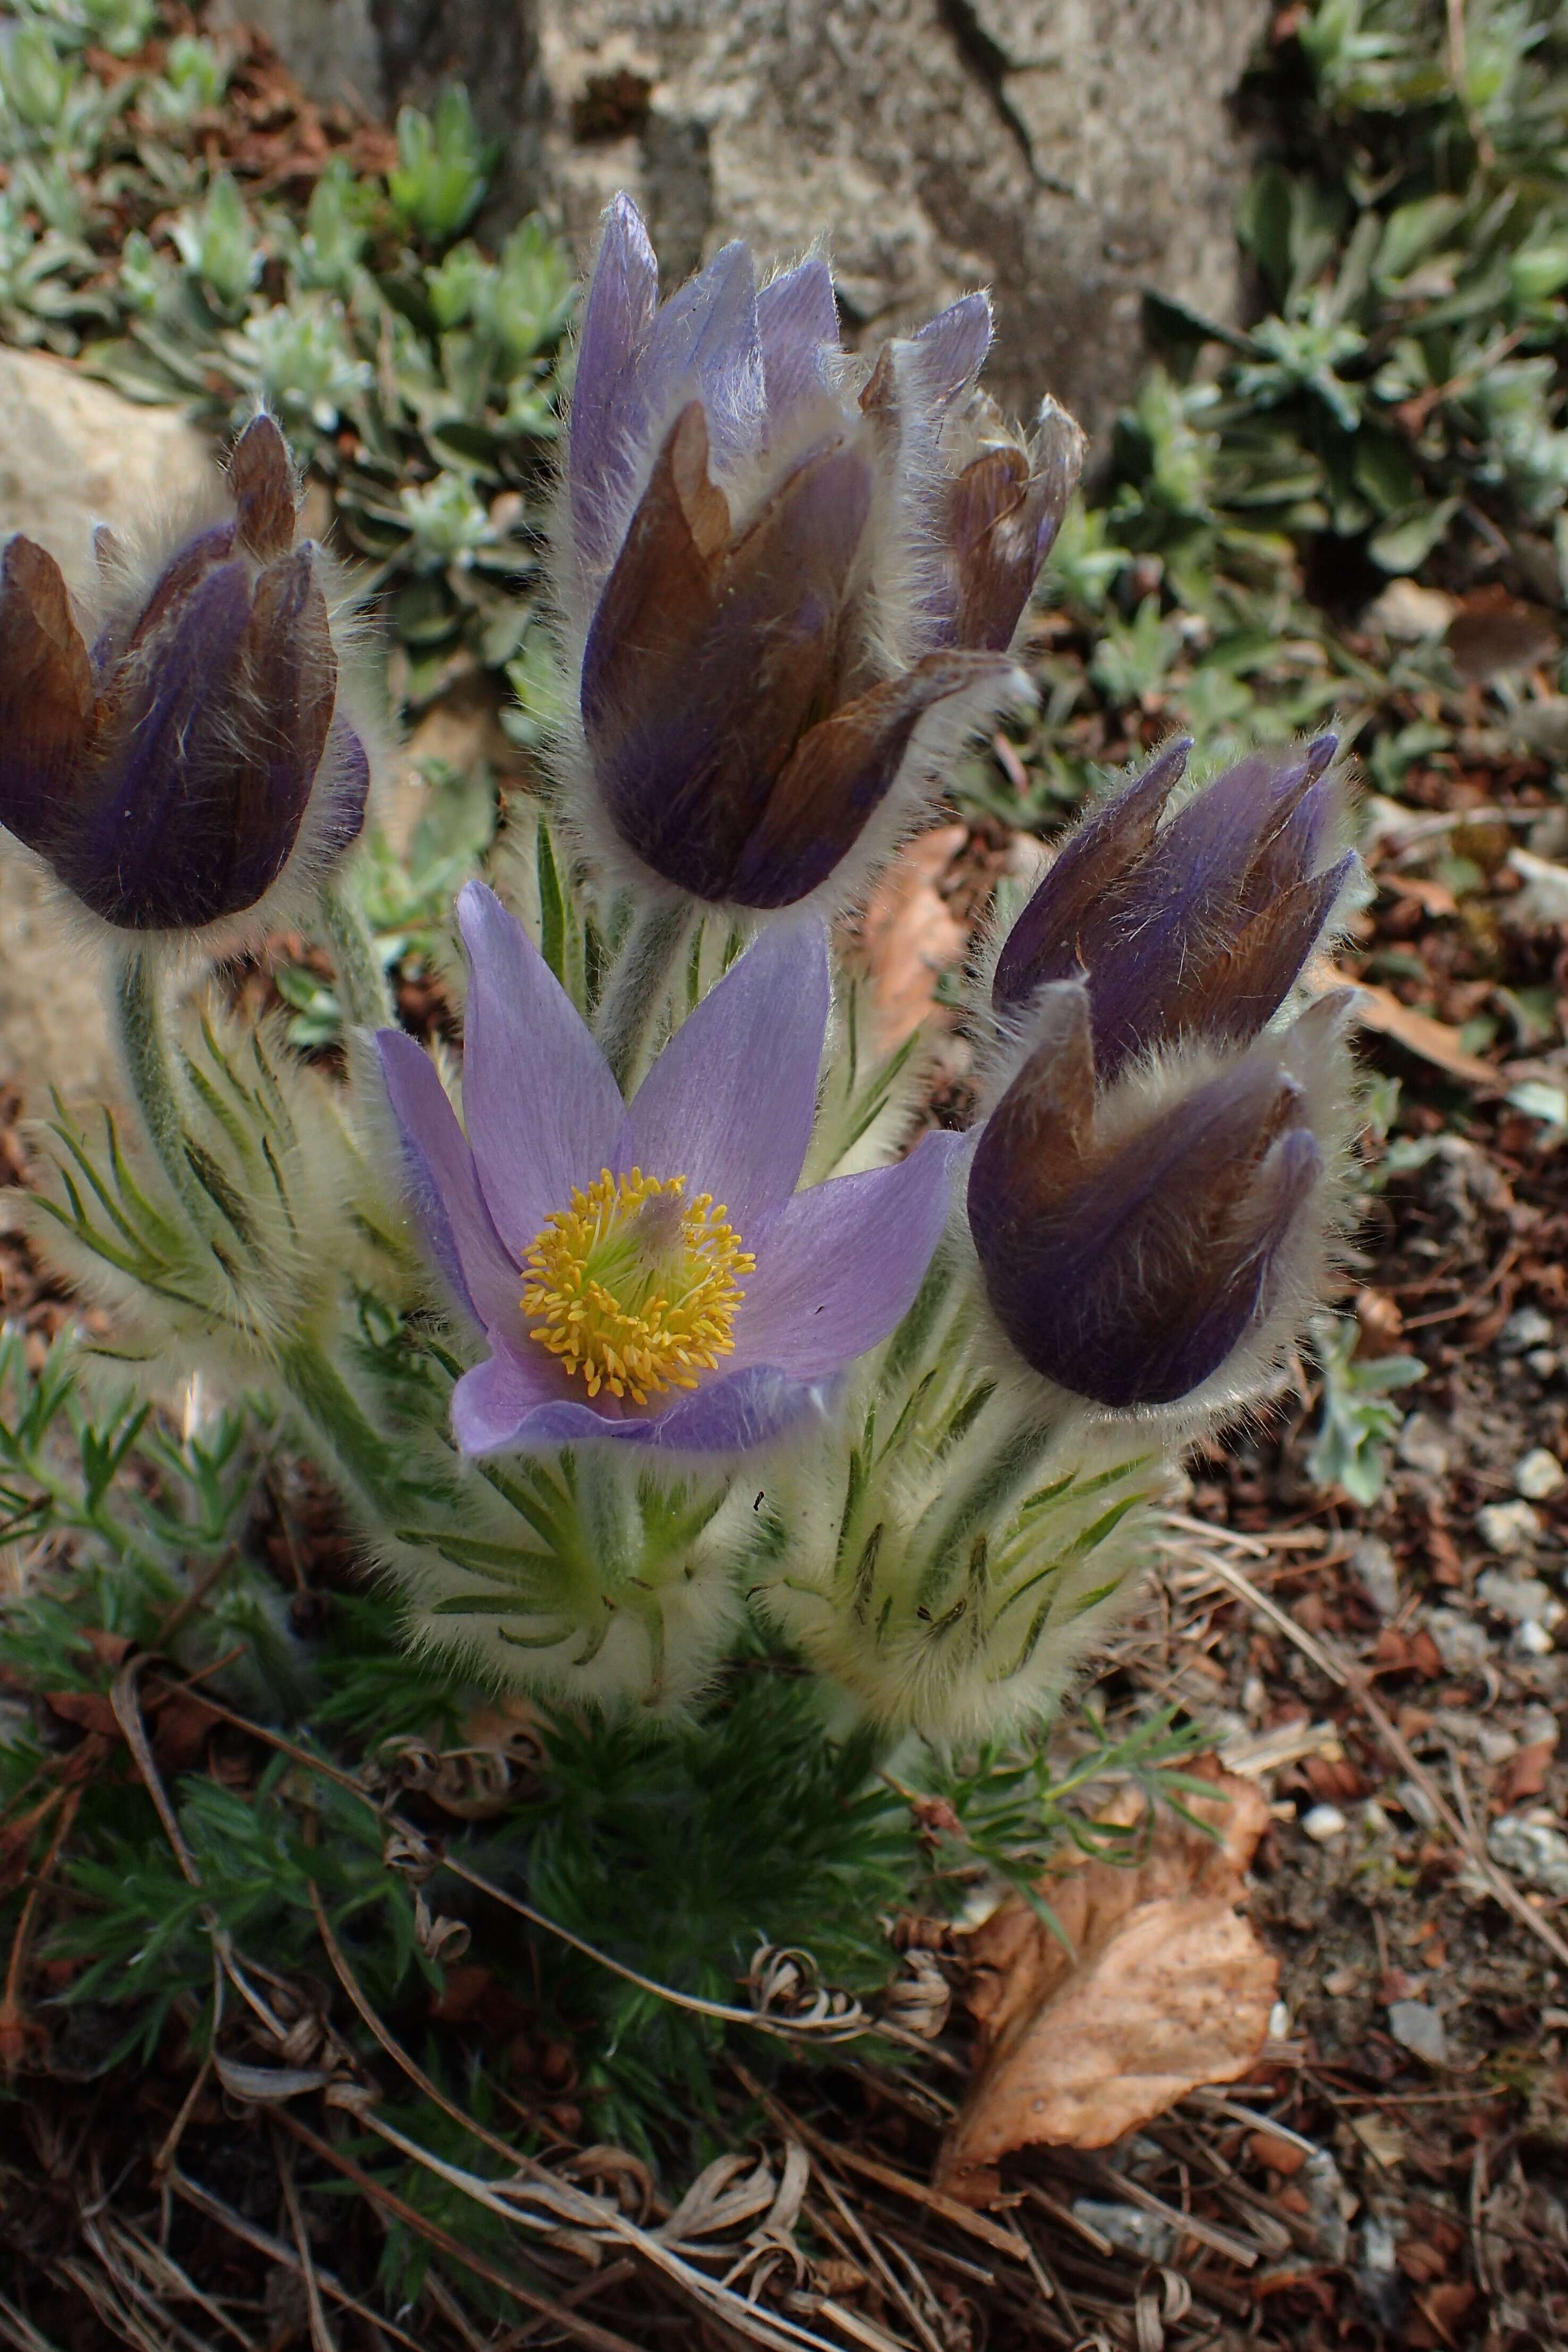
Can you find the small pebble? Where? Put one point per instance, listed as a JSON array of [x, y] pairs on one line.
[[1538, 1727], [1463, 1645], [1371, 1564], [1324, 1822], [1543, 1362], [1533, 1640], [1522, 1600], [1424, 1445], [1279, 2022], [1538, 1474], [1419, 2029], [1527, 1327], [1495, 1744], [1508, 1529], [1136, 2233], [1417, 1803], [1535, 1851]]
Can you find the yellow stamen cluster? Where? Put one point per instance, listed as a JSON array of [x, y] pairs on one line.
[[635, 1287]]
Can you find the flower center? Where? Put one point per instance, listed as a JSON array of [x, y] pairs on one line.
[[635, 1287]]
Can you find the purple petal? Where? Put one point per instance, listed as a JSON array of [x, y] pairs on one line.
[[344, 789], [705, 341], [443, 1186], [47, 711], [1285, 1184], [842, 1265], [601, 440], [1044, 944], [797, 325], [543, 1112], [950, 349], [493, 1405], [1103, 1280], [730, 1101]]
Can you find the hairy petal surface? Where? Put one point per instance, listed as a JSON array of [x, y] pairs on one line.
[[840, 1267], [1128, 1272], [443, 1186], [607, 413], [730, 1101], [47, 715], [705, 661], [544, 1114]]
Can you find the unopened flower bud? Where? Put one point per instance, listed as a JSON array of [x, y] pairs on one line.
[[1131, 1241], [786, 621], [169, 768], [1199, 926]]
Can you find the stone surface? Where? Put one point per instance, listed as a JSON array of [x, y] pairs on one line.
[[72, 453], [1419, 2029], [1066, 152], [1535, 1851]]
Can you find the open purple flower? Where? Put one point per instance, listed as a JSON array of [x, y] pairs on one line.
[[1199, 927], [649, 1273], [171, 769], [1130, 1241], [788, 616]]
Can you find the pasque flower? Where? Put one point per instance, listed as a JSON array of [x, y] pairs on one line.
[[1149, 1195], [648, 1273], [1131, 1244], [793, 584], [1199, 926], [171, 761]]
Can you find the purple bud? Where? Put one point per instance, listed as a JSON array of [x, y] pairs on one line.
[[167, 777], [1201, 927], [1003, 512], [753, 553], [1125, 1257]]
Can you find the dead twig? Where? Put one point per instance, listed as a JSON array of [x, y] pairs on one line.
[[1354, 1680]]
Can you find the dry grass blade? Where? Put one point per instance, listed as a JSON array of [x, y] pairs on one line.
[[203, 2202], [576, 2329], [18, 2330], [771, 2330], [1351, 1678], [321, 2336]]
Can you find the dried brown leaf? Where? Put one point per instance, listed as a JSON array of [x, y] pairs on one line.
[[1170, 1987], [909, 935]]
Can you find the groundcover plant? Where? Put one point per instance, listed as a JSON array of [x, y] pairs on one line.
[[651, 1324]]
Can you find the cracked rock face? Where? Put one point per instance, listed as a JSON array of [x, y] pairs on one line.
[[1066, 153]]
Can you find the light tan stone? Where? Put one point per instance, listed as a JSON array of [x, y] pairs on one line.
[[72, 454]]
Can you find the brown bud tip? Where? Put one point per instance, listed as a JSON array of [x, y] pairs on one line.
[[265, 497]]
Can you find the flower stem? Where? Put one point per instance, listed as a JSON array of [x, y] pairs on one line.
[[362, 987], [636, 993], [138, 1026], [365, 1460]]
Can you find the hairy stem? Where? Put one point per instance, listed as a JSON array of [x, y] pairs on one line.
[[636, 991], [362, 987], [138, 1012], [367, 1463]]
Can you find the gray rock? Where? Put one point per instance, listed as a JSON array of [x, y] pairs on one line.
[[72, 453], [1534, 1849], [1520, 1598], [1462, 1644], [1538, 1474], [1129, 2227], [378, 55], [1508, 1528], [1527, 1327], [1066, 152], [1424, 1444], [1373, 1566], [1419, 2030]]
